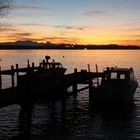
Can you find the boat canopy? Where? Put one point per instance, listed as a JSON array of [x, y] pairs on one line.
[[115, 73], [48, 65]]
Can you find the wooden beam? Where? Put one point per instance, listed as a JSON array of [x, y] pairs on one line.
[[0, 79], [12, 76]]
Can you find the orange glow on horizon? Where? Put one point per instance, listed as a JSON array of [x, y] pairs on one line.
[[82, 41], [78, 37], [87, 22]]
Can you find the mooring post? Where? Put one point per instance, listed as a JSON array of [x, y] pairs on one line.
[[17, 73], [90, 89], [33, 66], [12, 76], [75, 84], [28, 63], [63, 110], [97, 77], [88, 67], [28, 67], [25, 117], [44, 64], [0, 79], [75, 70]]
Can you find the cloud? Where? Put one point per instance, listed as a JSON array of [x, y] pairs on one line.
[[127, 42], [6, 27], [32, 24], [135, 35], [56, 26], [33, 37], [132, 29], [95, 13], [18, 36], [23, 34], [71, 27], [28, 7], [56, 39], [131, 35]]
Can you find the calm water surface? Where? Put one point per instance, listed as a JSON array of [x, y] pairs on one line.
[[76, 119]]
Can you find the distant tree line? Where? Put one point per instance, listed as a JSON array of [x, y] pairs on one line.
[[64, 46]]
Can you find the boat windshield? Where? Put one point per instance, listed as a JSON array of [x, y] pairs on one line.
[[117, 75], [56, 65]]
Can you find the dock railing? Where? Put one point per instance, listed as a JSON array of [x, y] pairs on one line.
[[15, 72]]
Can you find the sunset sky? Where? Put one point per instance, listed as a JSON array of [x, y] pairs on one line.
[[73, 21]]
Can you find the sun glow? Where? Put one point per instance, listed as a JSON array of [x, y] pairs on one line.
[[86, 22]]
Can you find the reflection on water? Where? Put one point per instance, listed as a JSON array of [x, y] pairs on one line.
[[74, 117], [74, 58], [77, 120]]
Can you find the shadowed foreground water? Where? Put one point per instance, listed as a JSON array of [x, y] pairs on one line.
[[74, 118], [71, 119]]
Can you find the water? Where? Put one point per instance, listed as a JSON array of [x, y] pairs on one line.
[[76, 120]]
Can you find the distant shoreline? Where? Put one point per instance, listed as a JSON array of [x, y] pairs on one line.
[[39, 46], [44, 48], [70, 48], [61, 49]]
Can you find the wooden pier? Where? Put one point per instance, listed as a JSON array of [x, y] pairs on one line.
[[19, 94]]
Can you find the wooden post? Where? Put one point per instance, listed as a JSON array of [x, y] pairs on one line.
[[12, 76], [90, 85], [63, 110], [17, 73], [97, 72], [88, 67], [90, 90], [44, 64], [28, 67], [0, 79], [28, 63], [33, 66], [75, 84], [75, 70]]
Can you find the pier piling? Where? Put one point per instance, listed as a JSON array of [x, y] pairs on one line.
[[97, 77], [0, 79], [74, 87], [88, 67], [24, 83], [90, 89], [12, 76], [17, 74], [33, 65]]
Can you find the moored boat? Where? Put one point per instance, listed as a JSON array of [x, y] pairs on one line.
[[117, 86], [47, 78]]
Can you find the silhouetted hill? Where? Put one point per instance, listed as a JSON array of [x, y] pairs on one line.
[[48, 45], [21, 43]]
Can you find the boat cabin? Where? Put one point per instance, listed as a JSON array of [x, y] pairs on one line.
[[50, 65], [115, 74], [45, 64]]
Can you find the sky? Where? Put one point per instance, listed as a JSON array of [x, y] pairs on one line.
[[73, 21]]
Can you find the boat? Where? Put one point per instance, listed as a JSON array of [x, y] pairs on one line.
[[117, 87], [47, 78], [52, 69]]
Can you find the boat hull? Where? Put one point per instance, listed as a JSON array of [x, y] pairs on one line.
[[115, 95], [43, 83]]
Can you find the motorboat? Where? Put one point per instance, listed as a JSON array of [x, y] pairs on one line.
[[117, 86], [44, 79]]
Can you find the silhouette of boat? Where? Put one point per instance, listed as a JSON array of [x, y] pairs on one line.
[[46, 79], [52, 69], [117, 86]]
